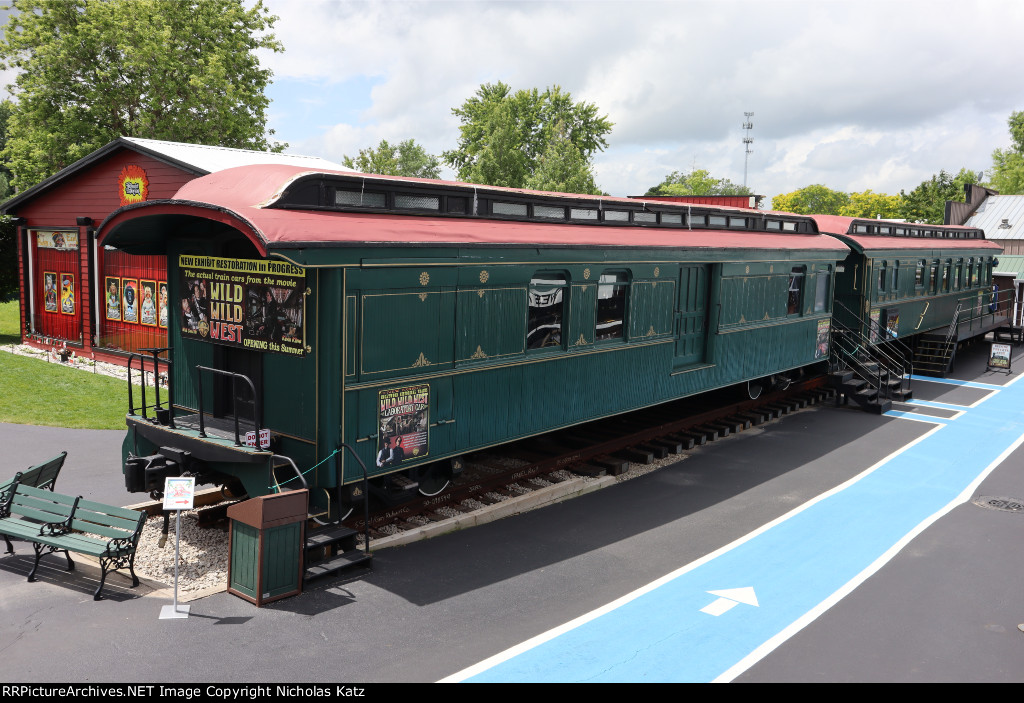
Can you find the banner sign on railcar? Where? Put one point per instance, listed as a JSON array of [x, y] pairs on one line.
[[403, 417], [821, 341], [248, 303]]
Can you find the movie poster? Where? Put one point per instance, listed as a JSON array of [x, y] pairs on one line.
[[403, 415], [113, 299], [892, 323], [67, 293], [130, 300], [162, 310], [250, 303], [50, 291], [147, 306], [875, 325], [821, 342]]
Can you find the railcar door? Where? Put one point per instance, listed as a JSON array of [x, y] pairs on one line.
[[691, 315], [229, 398]]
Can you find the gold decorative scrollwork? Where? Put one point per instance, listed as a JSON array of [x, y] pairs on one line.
[[421, 361], [484, 275], [651, 332], [581, 342], [424, 278], [657, 271], [479, 353], [586, 274], [746, 269], [423, 297], [480, 293]]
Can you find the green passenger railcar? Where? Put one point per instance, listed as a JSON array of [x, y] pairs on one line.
[[415, 321], [901, 280]]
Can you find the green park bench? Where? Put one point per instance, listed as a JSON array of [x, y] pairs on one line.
[[41, 475], [58, 523]]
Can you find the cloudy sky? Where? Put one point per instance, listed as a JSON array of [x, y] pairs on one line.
[[853, 95]]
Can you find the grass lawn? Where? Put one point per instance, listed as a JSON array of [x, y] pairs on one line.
[[35, 392]]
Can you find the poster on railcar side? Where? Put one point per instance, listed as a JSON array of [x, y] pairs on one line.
[[67, 293], [50, 291], [249, 303], [403, 415], [892, 323], [130, 300], [822, 339], [875, 324], [147, 308], [113, 298]]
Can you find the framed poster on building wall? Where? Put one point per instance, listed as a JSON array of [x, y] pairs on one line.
[[161, 306], [113, 299], [130, 300], [147, 304], [67, 293], [50, 291]]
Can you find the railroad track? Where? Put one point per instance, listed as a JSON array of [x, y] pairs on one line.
[[604, 447]]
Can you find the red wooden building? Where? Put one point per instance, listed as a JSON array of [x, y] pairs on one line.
[[95, 299]]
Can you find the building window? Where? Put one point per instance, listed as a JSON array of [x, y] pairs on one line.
[[796, 290], [612, 289], [546, 312]]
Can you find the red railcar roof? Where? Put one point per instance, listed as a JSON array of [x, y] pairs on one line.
[[844, 227], [245, 198]]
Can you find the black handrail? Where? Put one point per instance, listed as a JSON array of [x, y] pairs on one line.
[[234, 395], [339, 478], [158, 405]]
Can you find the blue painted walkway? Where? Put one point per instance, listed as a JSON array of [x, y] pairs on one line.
[[798, 566]]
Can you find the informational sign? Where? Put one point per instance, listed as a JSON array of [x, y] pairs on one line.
[[999, 357], [249, 303], [179, 492], [65, 241], [403, 415], [264, 438]]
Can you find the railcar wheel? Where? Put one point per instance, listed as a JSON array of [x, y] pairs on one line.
[[434, 479]]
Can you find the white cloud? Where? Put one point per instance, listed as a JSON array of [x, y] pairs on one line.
[[855, 94]]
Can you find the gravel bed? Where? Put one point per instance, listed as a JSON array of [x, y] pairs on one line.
[[81, 363], [203, 555]]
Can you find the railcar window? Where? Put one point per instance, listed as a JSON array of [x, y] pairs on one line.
[[737, 221], [580, 213], [823, 284], [796, 289], [945, 277], [358, 198], [546, 313], [645, 217], [514, 209], [616, 216], [884, 230], [554, 213], [970, 272], [772, 224], [456, 206], [896, 277], [716, 221], [958, 275], [883, 275], [698, 220], [612, 289], [919, 275], [417, 202], [789, 226], [671, 219], [860, 229], [933, 277]]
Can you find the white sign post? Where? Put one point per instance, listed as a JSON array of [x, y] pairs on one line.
[[179, 494]]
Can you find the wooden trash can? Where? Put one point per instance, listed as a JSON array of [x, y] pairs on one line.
[[266, 539]]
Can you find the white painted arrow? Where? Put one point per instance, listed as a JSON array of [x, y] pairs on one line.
[[728, 599]]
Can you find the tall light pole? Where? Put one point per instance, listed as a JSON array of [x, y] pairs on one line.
[[747, 141]]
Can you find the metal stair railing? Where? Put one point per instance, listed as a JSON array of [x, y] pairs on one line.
[[892, 354], [850, 353]]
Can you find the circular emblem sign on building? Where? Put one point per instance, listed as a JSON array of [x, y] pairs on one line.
[[132, 185]]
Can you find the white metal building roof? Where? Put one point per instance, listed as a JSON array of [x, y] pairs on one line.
[[1001, 216], [218, 158]]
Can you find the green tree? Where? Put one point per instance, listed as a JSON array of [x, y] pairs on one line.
[[1008, 164], [562, 168], [404, 159], [8, 259], [870, 204], [811, 200], [697, 182], [927, 202], [504, 135], [90, 71]]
